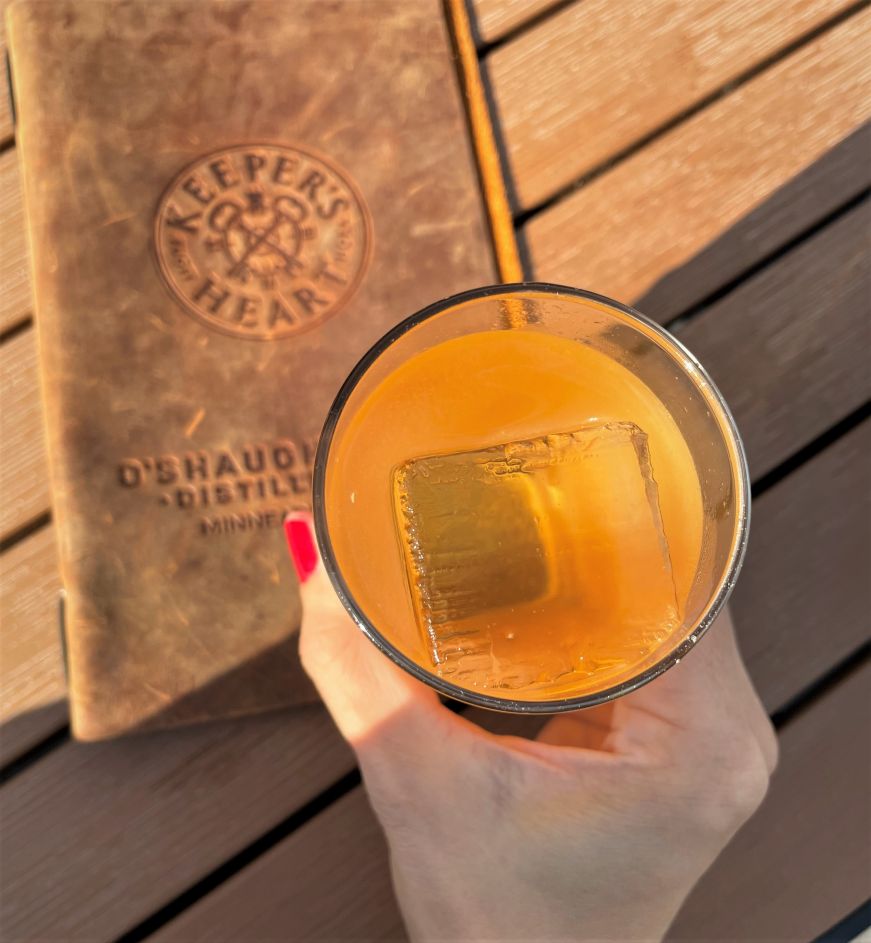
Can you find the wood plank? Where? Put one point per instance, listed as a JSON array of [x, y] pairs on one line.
[[15, 295], [803, 862], [24, 491], [328, 881], [32, 686], [838, 177], [655, 210], [798, 866], [788, 347], [494, 18], [593, 80], [98, 836], [6, 128], [802, 601]]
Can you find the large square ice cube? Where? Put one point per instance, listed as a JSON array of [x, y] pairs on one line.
[[535, 561]]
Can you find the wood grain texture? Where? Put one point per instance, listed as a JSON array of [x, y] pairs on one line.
[[32, 687], [802, 602], [494, 18], [6, 128], [803, 861], [23, 464], [655, 210], [798, 866], [599, 76], [97, 837], [15, 295], [838, 177], [788, 348]]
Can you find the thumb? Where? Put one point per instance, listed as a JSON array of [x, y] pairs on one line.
[[361, 688]]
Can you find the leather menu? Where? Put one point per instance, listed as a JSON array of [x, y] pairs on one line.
[[227, 203]]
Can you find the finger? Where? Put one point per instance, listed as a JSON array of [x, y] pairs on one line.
[[588, 729], [361, 688]]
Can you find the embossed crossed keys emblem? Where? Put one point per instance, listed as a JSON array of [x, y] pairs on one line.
[[260, 237]]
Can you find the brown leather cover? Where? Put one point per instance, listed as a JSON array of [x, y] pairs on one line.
[[228, 202]]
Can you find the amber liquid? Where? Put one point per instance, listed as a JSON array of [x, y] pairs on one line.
[[577, 564]]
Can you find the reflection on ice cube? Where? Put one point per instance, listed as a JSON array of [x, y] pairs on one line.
[[534, 562]]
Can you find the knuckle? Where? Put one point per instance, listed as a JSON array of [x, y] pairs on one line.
[[735, 784], [770, 745]]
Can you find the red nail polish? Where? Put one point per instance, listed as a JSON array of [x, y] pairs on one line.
[[301, 543]]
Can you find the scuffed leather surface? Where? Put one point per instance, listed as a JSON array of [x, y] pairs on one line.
[[165, 625]]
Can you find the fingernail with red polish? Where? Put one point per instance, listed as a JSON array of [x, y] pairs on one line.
[[301, 543]]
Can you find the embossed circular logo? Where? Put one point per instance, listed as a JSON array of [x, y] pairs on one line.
[[262, 241]]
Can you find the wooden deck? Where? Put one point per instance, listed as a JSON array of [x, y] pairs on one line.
[[708, 161]]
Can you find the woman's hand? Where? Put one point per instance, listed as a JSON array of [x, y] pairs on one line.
[[597, 830]]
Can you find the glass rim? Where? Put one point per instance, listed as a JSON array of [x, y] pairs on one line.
[[466, 695]]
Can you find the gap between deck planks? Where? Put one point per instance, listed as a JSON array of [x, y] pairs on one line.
[[663, 204], [493, 20], [788, 875], [785, 346]]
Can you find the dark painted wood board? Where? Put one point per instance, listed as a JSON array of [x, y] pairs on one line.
[[788, 348], [803, 599], [329, 881], [98, 836], [804, 861]]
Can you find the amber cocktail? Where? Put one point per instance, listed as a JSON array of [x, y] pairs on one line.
[[531, 497]]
